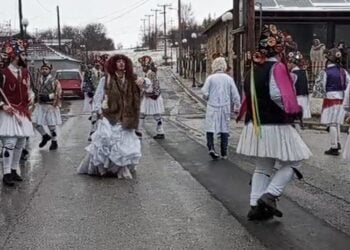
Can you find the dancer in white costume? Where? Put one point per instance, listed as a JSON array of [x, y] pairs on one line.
[[15, 98], [222, 95], [332, 82], [296, 66], [115, 149], [152, 100], [269, 135], [47, 108]]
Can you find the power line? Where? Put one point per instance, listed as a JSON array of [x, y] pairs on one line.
[[128, 12], [119, 11], [43, 7]]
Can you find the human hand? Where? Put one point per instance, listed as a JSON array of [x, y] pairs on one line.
[[140, 81], [8, 109]]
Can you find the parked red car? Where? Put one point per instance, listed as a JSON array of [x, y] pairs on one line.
[[71, 82]]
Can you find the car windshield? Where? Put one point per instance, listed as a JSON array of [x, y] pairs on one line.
[[68, 75]]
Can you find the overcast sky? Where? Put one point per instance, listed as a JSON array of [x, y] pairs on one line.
[[122, 18]]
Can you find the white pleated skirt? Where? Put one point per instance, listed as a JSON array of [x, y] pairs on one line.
[[304, 102], [87, 108], [280, 142], [113, 151], [46, 115], [10, 126], [152, 107], [334, 114]]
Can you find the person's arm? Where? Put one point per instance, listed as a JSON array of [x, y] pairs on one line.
[[205, 89], [235, 97], [99, 96]]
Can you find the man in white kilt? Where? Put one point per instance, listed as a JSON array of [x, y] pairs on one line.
[[222, 95], [152, 101], [268, 135], [115, 148], [15, 99], [47, 108], [333, 81], [299, 75]]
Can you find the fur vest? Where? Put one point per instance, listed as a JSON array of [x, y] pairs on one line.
[[124, 100]]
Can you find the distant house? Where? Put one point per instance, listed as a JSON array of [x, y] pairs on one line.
[[305, 20], [39, 51]]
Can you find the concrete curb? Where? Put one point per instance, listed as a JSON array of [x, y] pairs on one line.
[[307, 124], [188, 90]]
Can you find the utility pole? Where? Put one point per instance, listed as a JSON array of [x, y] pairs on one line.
[[149, 30], [59, 28], [20, 14], [144, 28], [180, 36], [165, 6], [155, 26]]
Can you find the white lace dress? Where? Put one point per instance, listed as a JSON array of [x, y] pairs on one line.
[[113, 150]]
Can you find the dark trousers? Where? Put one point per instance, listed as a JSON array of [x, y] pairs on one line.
[[224, 142]]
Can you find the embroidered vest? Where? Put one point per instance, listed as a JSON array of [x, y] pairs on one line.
[[16, 90], [301, 85], [335, 79]]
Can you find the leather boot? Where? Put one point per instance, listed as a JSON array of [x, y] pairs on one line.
[[15, 176], [7, 180], [44, 140], [268, 201]]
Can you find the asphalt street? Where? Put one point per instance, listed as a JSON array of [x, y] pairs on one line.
[[180, 199]]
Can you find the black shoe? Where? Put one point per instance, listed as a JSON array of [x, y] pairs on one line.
[[24, 155], [7, 180], [339, 146], [332, 151], [159, 136], [53, 145], [268, 202], [213, 154], [15, 176], [44, 140], [259, 213], [139, 134]]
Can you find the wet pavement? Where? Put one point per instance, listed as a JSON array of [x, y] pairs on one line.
[[162, 208], [180, 199]]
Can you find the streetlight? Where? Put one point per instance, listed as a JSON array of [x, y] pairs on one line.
[[260, 16], [184, 44], [172, 45], [228, 16], [177, 59], [194, 37], [83, 47], [25, 23]]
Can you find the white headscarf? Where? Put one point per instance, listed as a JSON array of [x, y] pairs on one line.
[[219, 64]]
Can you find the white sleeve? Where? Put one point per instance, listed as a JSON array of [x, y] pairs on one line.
[[205, 89], [346, 101], [235, 97], [321, 79], [99, 96]]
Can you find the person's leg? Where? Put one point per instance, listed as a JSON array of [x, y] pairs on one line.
[[45, 136], [9, 144], [160, 128], [20, 143], [53, 133], [224, 144]]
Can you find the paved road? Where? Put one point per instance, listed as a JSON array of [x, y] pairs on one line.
[[163, 208], [179, 200]]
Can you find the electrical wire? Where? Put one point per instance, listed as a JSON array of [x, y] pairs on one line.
[[42, 6], [118, 11], [128, 11]]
